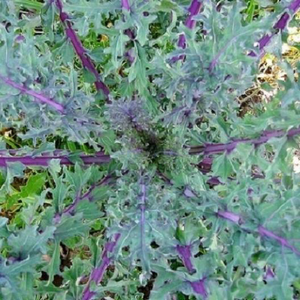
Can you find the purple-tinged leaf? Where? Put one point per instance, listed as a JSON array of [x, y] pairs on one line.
[[39, 97], [284, 242]]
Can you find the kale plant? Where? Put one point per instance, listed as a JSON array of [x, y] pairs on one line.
[[127, 169]]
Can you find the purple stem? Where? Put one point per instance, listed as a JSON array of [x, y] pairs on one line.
[[129, 32], [79, 49], [125, 4], [87, 195], [215, 60], [284, 242], [37, 96], [187, 192], [186, 254], [199, 287], [183, 250], [263, 232], [280, 25], [194, 9], [97, 158], [142, 222], [232, 217], [98, 272], [294, 6], [78, 198], [70, 209], [17, 151], [209, 149], [265, 40], [282, 22], [104, 181]]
